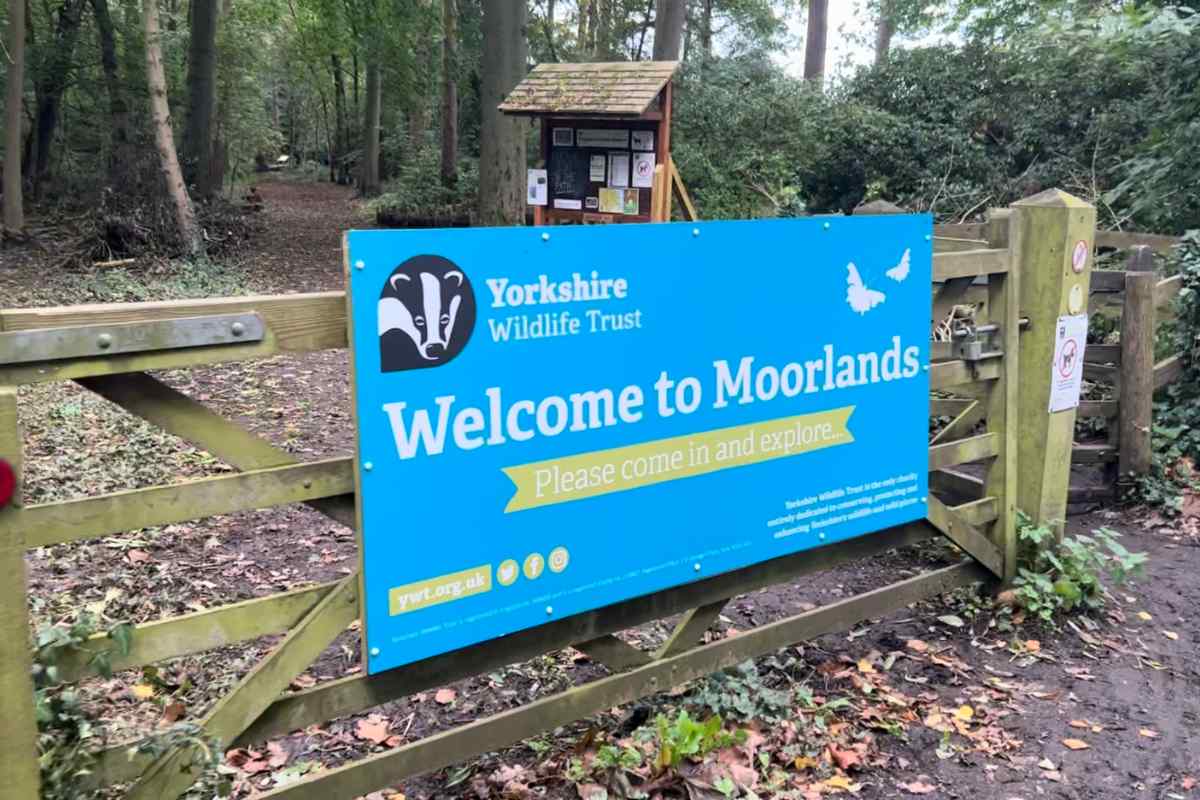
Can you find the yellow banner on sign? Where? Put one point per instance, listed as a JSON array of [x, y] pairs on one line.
[[561, 480]]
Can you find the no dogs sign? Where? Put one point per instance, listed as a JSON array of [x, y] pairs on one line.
[[554, 420]]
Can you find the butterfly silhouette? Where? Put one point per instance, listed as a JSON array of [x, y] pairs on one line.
[[899, 272], [858, 296]]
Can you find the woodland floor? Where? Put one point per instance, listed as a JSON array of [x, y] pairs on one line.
[[934, 701]]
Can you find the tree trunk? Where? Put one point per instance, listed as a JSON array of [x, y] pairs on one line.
[[706, 32], [449, 93], [14, 210], [341, 138], [668, 29], [814, 46], [201, 95], [549, 28], [601, 11], [502, 138], [370, 167], [51, 85], [582, 42], [120, 156], [164, 139], [884, 31]]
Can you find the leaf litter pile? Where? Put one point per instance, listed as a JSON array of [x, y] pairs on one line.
[[954, 698]]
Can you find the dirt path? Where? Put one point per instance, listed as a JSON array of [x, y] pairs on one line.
[[1126, 684], [301, 247]]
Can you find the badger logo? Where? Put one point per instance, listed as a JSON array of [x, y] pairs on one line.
[[426, 314]]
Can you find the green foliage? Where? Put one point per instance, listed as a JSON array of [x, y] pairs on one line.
[[416, 191], [741, 694], [176, 280], [1176, 430], [686, 738], [66, 732], [1065, 577]]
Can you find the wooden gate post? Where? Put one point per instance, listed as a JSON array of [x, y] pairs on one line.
[[1135, 385], [1050, 231], [18, 745]]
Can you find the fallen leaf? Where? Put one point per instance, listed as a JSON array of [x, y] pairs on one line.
[[1046, 763], [952, 620], [445, 697], [1172, 635], [142, 691], [845, 759], [964, 713], [918, 787], [1080, 723], [843, 783], [372, 729], [865, 667], [591, 791], [1188, 783], [137, 556], [173, 712], [1148, 733], [1033, 645], [806, 762], [1076, 744], [916, 645], [1144, 616], [277, 756]]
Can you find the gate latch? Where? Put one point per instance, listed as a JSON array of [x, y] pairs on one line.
[[975, 342]]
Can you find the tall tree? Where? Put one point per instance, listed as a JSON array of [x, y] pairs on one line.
[[52, 79], [449, 126], [201, 95], [885, 29], [14, 211], [120, 156], [668, 29], [164, 139], [502, 138], [600, 24], [342, 137], [814, 45], [370, 167]]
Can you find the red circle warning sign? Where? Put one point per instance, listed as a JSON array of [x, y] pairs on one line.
[[1079, 256], [1067, 357]]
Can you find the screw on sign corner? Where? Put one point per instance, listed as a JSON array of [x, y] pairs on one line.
[[8, 482]]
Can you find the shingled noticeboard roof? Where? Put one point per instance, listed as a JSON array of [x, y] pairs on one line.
[[613, 88]]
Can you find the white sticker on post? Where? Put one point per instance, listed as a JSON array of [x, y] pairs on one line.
[[1066, 373], [536, 181]]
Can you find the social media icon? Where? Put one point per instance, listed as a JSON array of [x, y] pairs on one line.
[[506, 574], [534, 564], [559, 558]]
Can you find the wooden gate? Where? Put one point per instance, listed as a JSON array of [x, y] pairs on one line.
[[112, 350]]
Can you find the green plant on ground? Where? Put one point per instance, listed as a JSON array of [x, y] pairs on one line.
[[66, 731], [686, 738], [1053, 578], [740, 693]]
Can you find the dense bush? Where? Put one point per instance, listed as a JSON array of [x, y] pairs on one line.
[[1103, 107]]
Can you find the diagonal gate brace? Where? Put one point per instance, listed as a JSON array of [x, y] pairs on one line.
[[172, 773], [950, 524]]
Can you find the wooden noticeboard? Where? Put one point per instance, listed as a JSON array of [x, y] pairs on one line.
[[605, 139]]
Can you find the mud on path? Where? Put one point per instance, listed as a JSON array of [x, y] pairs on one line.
[[1126, 684]]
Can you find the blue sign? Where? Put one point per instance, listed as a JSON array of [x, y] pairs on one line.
[[554, 420]]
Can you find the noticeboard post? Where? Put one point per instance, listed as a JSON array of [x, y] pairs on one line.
[[551, 421]]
